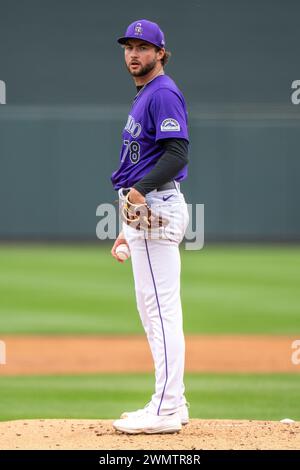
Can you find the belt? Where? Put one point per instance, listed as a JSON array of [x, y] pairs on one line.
[[169, 185]]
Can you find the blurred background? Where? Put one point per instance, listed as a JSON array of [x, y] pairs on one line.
[[68, 94]]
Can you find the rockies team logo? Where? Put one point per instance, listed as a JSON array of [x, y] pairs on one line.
[[170, 124], [138, 30]]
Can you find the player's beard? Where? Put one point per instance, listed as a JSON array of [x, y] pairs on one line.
[[144, 70]]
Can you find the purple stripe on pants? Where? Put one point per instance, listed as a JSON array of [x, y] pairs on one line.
[[162, 326]]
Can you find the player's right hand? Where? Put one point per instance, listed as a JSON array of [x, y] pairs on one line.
[[119, 241]]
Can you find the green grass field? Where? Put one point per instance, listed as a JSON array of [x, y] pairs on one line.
[[234, 396], [82, 289]]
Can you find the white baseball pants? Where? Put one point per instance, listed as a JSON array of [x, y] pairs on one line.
[[156, 268]]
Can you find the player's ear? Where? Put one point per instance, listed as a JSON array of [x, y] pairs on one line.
[[161, 52]]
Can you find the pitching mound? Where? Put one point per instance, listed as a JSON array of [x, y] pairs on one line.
[[99, 434]]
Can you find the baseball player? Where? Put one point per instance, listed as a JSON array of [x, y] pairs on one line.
[[153, 162]]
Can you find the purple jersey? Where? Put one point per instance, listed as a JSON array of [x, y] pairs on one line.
[[158, 112]]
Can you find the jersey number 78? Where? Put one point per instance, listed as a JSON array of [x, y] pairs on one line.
[[133, 148]]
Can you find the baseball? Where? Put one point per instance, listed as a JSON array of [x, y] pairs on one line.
[[123, 252]]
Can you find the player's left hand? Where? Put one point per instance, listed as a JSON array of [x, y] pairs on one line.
[[135, 197], [138, 214]]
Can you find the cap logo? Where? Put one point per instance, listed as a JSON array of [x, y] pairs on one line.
[[138, 30]]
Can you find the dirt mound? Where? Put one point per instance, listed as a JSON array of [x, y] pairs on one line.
[[99, 434]]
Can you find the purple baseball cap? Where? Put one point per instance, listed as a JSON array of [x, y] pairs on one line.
[[146, 31]]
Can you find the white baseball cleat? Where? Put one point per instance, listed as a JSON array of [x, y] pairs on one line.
[[183, 411], [149, 423]]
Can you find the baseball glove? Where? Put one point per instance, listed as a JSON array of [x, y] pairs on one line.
[[140, 216]]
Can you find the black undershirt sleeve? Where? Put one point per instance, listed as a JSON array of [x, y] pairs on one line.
[[174, 158]]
